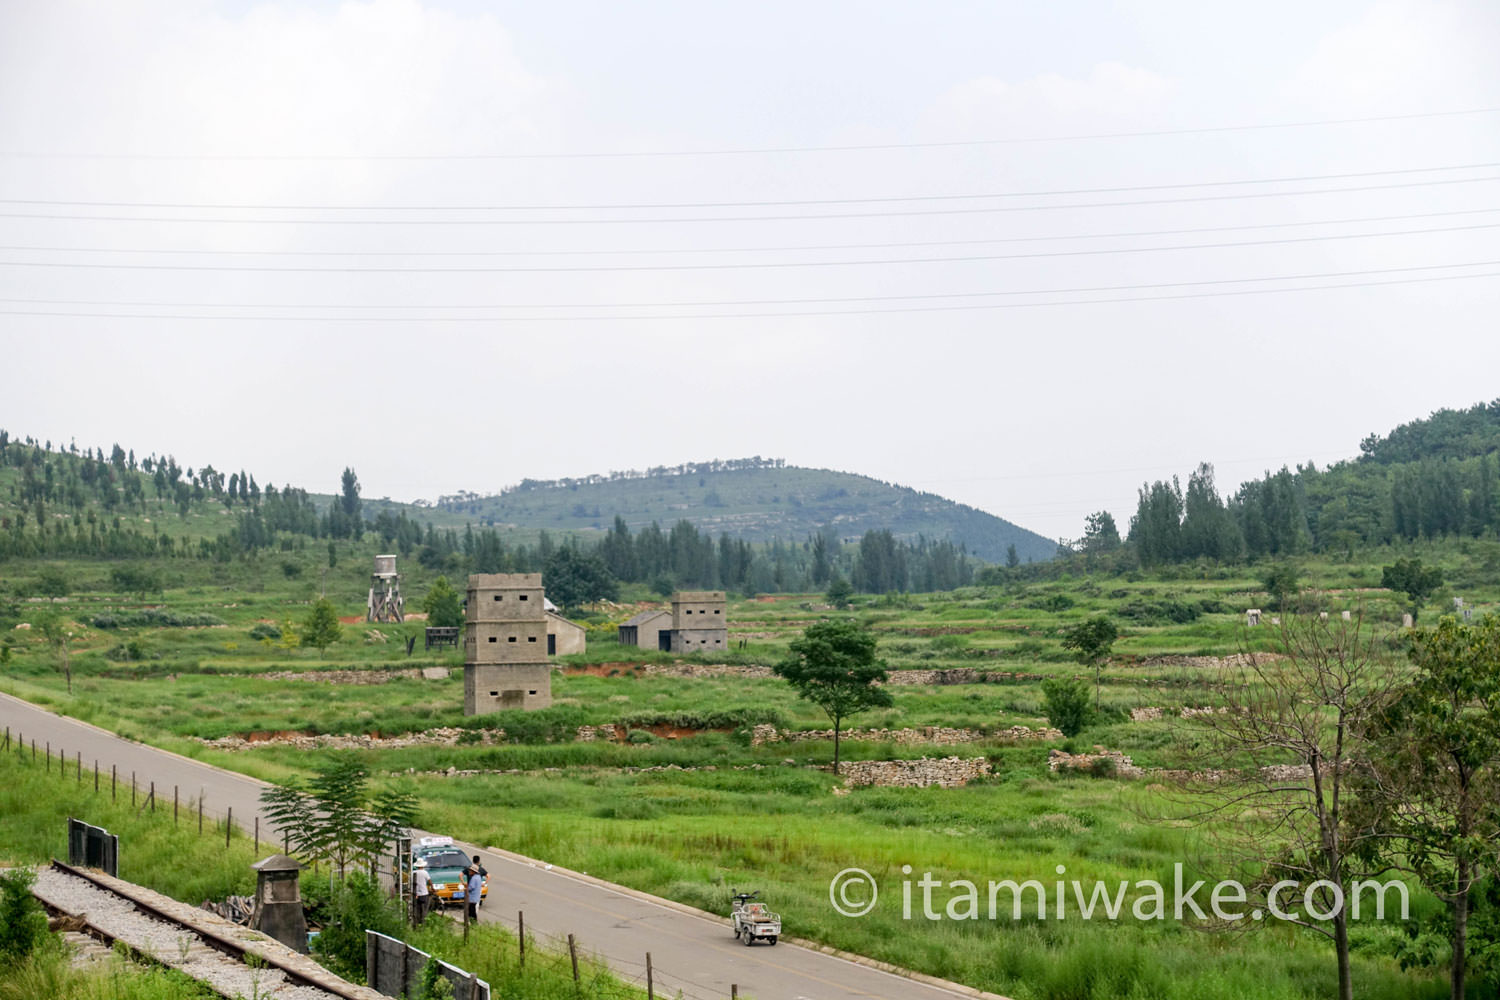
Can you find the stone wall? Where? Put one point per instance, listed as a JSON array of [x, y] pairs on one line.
[[1109, 761], [948, 772], [941, 735], [442, 736]]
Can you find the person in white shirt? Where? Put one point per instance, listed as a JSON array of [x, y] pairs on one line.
[[421, 891]]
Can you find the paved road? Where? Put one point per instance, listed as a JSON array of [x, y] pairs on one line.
[[690, 952]]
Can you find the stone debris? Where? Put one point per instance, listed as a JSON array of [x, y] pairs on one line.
[[947, 772], [442, 736], [1186, 712], [941, 735], [1111, 761]]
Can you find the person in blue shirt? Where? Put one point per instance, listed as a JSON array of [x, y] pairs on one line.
[[472, 891]]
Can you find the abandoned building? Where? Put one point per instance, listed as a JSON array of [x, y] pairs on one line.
[[697, 622], [505, 644], [648, 630]]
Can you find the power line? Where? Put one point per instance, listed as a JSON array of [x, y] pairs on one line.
[[749, 218], [1047, 193], [754, 265], [760, 151], [635, 252], [850, 312]]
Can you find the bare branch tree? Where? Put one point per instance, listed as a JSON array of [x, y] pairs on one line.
[[1279, 761]]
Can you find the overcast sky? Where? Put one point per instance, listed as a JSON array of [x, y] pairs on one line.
[[680, 231]]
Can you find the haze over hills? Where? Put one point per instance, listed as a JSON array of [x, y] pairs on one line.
[[751, 499]]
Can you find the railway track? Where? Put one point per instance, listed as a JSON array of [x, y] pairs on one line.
[[232, 960]]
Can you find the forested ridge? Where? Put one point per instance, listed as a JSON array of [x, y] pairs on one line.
[[67, 503], [1433, 478]]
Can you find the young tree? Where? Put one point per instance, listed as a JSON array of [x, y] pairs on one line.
[[1297, 722], [833, 665], [1408, 577], [839, 592], [1434, 784], [1067, 704], [59, 635], [443, 605], [321, 628], [1100, 535], [334, 817], [1281, 583], [1090, 642]]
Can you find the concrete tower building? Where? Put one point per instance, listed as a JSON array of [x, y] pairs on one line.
[[698, 621], [505, 644]]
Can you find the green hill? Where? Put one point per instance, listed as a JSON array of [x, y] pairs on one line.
[[756, 500]]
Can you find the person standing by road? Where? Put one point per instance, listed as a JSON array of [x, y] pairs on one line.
[[421, 891], [472, 891], [484, 876]]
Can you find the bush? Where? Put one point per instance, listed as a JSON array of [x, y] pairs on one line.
[[1067, 704], [155, 618], [264, 630], [355, 905], [23, 925], [639, 736]]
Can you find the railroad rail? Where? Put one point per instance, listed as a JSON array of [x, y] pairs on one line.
[[166, 931]]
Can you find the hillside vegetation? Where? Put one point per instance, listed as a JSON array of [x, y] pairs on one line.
[[756, 500]]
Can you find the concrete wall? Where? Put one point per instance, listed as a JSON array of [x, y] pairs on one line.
[[696, 640], [571, 638], [504, 597], [493, 687], [699, 609], [505, 642]]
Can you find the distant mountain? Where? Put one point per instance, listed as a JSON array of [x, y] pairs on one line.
[[751, 499]]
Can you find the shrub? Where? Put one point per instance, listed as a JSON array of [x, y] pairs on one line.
[[155, 618], [355, 905], [639, 736], [23, 925], [264, 630], [1067, 704]]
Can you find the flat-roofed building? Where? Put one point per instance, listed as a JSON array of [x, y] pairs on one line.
[[505, 644]]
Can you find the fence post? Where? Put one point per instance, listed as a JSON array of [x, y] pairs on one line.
[[96, 776], [113, 781], [286, 843], [132, 789], [78, 763], [650, 986], [257, 835], [152, 798], [521, 934], [734, 991], [228, 825], [47, 752], [573, 954], [33, 751], [174, 805], [200, 812]]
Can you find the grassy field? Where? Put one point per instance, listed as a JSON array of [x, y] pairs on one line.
[[773, 817]]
